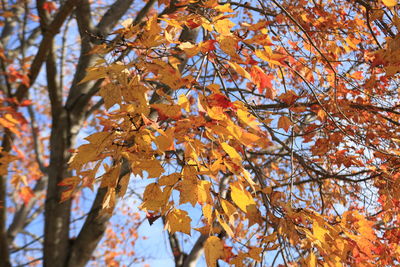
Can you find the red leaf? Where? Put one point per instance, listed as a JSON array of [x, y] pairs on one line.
[[192, 24], [25, 103], [152, 217], [208, 46], [219, 100], [263, 81], [49, 6]]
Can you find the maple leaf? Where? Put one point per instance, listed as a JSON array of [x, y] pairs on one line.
[[178, 221], [207, 210], [192, 23], [311, 260], [229, 209], [284, 123], [166, 111], [223, 26], [165, 141], [390, 3], [263, 81], [239, 69], [152, 217], [231, 152], [109, 201], [229, 44], [288, 97], [223, 224], [255, 253], [208, 46], [71, 184], [5, 160], [168, 107], [169, 180], [241, 197], [154, 198], [26, 194], [49, 6], [194, 191], [213, 250], [219, 100]]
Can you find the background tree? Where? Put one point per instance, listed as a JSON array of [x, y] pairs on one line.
[[276, 121]]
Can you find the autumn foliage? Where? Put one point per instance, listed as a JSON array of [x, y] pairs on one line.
[[277, 121]]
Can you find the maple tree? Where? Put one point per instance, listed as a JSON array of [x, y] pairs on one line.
[[277, 121]]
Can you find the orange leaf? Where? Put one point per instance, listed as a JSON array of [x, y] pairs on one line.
[[26, 194], [284, 123]]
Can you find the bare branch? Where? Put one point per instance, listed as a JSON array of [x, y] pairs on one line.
[[41, 55]]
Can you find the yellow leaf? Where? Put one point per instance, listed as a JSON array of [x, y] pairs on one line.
[[319, 231], [165, 141], [171, 179], [311, 260], [155, 199], [224, 8], [188, 192], [254, 253], [206, 24], [389, 3], [109, 201], [167, 111], [10, 118], [194, 191], [284, 123], [231, 152], [223, 26], [178, 221], [205, 230], [183, 101], [267, 56], [228, 44], [216, 113], [224, 225], [190, 49], [207, 212], [215, 88], [237, 261], [110, 178], [240, 70], [111, 95], [228, 208], [248, 119], [94, 73], [249, 139], [241, 196], [213, 250], [123, 184], [152, 167], [203, 192]]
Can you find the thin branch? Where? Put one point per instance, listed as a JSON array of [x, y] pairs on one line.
[[35, 137]]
